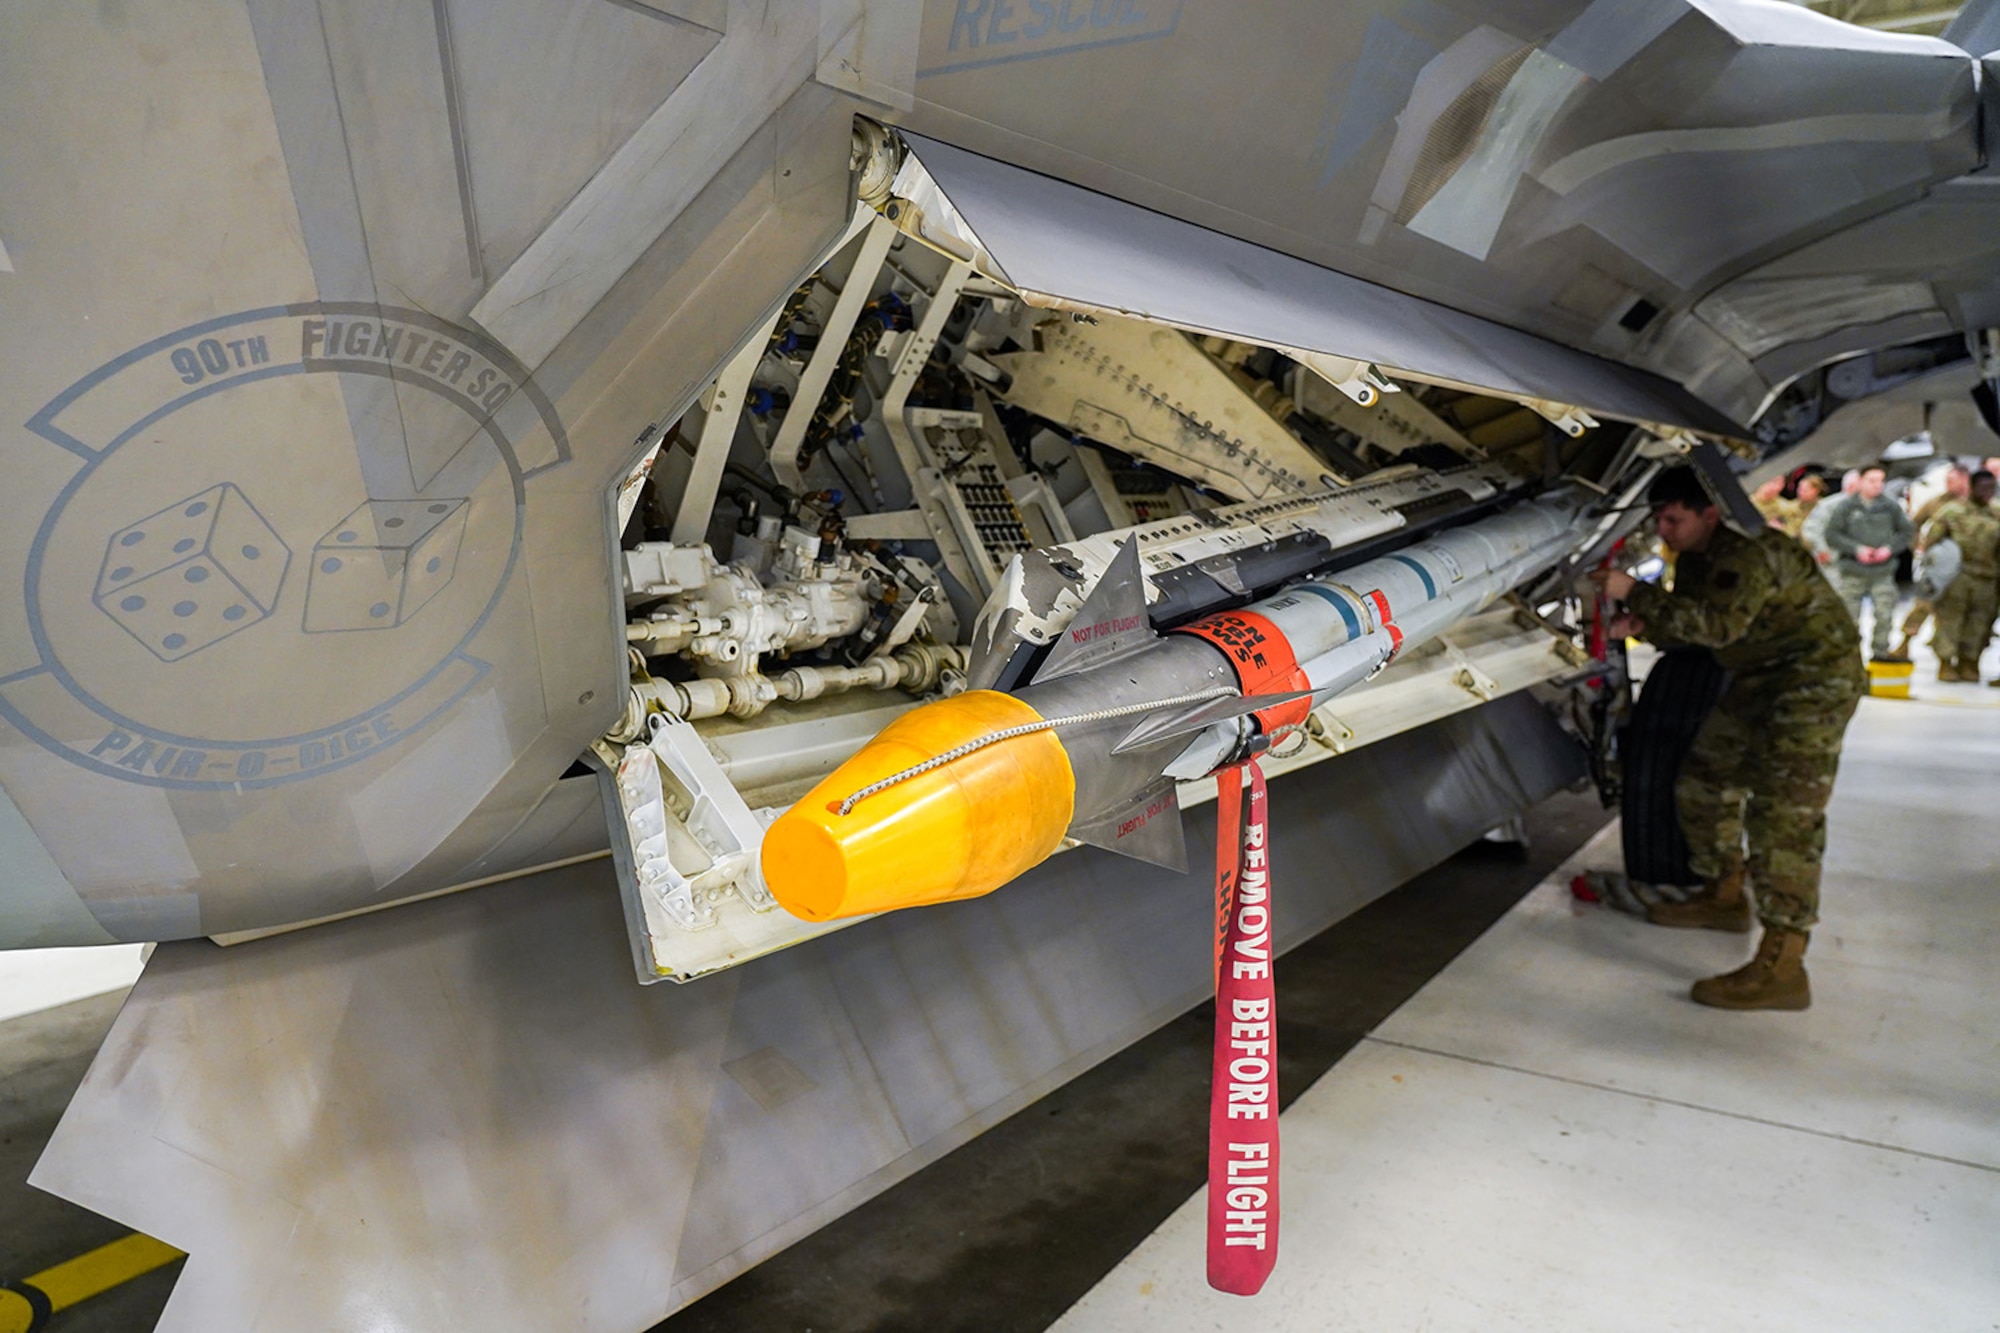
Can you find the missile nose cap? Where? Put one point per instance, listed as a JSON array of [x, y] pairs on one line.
[[805, 867], [958, 831]]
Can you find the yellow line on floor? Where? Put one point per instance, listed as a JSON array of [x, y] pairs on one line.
[[79, 1279], [1954, 703]]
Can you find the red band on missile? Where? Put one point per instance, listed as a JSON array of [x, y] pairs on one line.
[[1382, 610], [1263, 660]]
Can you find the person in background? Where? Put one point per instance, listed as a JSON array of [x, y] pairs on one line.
[[1866, 533], [1812, 529], [1770, 501], [1806, 493], [1957, 485], [1761, 769], [1965, 612]]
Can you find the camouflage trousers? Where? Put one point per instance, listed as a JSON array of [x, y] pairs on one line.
[[1965, 617], [1877, 583], [1760, 771]]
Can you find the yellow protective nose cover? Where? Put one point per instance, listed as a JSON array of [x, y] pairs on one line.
[[960, 830]]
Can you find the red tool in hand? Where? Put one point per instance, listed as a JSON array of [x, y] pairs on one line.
[[1600, 639]]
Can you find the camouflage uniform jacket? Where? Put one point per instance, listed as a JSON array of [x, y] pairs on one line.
[[1795, 514], [1976, 529], [1928, 510], [1759, 602]]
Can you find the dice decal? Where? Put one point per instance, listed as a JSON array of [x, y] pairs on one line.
[[192, 574], [209, 565], [383, 563]]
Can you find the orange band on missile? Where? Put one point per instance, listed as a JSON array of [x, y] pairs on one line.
[[1263, 660]]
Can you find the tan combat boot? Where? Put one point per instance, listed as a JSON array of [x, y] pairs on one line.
[[1948, 669], [1721, 905], [1774, 979]]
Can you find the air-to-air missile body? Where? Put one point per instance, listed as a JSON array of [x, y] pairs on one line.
[[498, 491], [1117, 715]]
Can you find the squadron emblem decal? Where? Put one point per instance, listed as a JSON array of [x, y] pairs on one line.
[[280, 534]]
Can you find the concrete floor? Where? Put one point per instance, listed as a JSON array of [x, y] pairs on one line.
[[1550, 1136], [35, 979]]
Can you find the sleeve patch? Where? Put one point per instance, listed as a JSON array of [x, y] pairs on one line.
[[1725, 579]]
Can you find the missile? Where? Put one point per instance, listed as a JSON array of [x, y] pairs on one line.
[[1224, 557], [960, 795]]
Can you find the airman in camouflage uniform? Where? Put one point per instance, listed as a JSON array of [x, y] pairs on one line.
[[1811, 491], [1957, 485], [1965, 612], [1770, 500], [1763, 764]]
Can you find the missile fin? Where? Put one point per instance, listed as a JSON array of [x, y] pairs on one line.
[[1145, 828], [1110, 624], [1182, 721]]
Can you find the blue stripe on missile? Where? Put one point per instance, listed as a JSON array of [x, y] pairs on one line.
[[1338, 603], [1430, 588]]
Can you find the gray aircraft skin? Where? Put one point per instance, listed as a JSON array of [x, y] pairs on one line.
[[284, 278], [332, 331]]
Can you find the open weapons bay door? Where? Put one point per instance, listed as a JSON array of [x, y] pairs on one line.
[[1066, 247]]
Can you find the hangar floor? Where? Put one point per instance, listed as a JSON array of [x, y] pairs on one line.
[[1545, 1135], [1550, 1136]]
